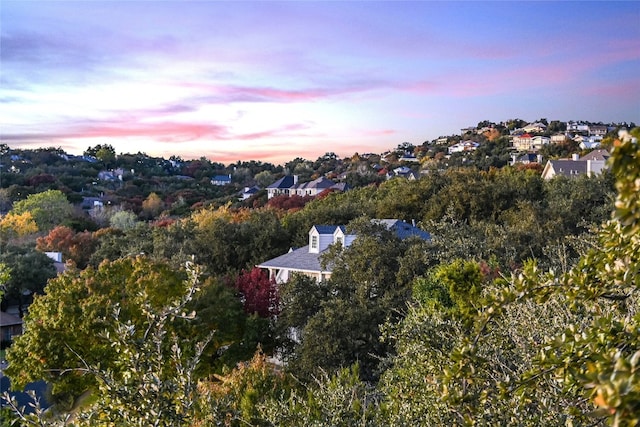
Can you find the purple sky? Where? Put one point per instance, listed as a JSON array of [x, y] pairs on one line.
[[272, 81]]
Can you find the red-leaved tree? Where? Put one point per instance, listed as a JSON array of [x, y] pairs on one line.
[[259, 292]]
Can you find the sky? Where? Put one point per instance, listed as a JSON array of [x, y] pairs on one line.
[[272, 81]]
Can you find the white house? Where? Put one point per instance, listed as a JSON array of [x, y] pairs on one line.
[[463, 146], [306, 260]]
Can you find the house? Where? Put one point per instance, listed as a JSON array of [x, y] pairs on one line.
[[248, 192], [10, 326], [558, 138], [588, 142], [315, 187], [221, 180], [599, 154], [522, 142], [526, 158], [289, 185], [306, 260], [408, 157], [537, 142], [403, 172], [92, 203], [535, 127], [463, 146], [591, 164], [598, 130], [282, 186]]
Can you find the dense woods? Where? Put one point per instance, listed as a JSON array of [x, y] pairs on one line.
[[522, 309]]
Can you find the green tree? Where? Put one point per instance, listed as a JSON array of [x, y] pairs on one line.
[[65, 328], [30, 271], [152, 380], [545, 348], [49, 208], [123, 220]]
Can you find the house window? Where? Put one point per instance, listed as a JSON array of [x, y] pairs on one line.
[[314, 242], [339, 240]]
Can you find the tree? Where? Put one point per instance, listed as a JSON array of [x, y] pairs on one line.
[[49, 208], [152, 380], [16, 225], [30, 271], [152, 206], [77, 247], [69, 326], [123, 220], [545, 348], [258, 292], [264, 178]]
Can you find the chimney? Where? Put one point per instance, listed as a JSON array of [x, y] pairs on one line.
[[539, 158], [295, 179], [575, 156]]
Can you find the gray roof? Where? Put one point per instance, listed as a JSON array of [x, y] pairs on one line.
[[284, 182], [569, 167], [600, 154], [300, 259], [321, 182]]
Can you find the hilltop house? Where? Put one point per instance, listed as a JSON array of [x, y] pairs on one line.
[[463, 146], [306, 260], [221, 180], [248, 192], [590, 164], [288, 185]]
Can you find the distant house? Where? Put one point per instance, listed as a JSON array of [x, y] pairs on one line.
[[403, 172], [408, 157], [289, 185], [282, 186], [92, 203], [535, 127], [558, 138], [526, 158], [522, 142], [10, 326], [306, 260], [221, 180], [591, 164], [248, 192], [463, 146]]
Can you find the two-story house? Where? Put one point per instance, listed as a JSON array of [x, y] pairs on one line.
[[306, 260]]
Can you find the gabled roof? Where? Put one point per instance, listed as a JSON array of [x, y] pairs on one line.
[[596, 155], [319, 183], [299, 259], [324, 229], [284, 182], [221, 178], [565, 167]]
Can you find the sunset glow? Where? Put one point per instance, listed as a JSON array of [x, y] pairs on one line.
[[272, 81]]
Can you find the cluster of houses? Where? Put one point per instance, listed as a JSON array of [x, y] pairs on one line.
[[530, 138]]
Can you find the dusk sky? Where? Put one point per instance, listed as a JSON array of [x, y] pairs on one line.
[[272, 81]]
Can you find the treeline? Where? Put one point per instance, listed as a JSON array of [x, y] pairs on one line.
[[499, 319]]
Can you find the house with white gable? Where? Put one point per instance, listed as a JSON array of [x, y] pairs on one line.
[[463, 146], [536, 127], [289, 186], [306, 260], [591, 164]]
